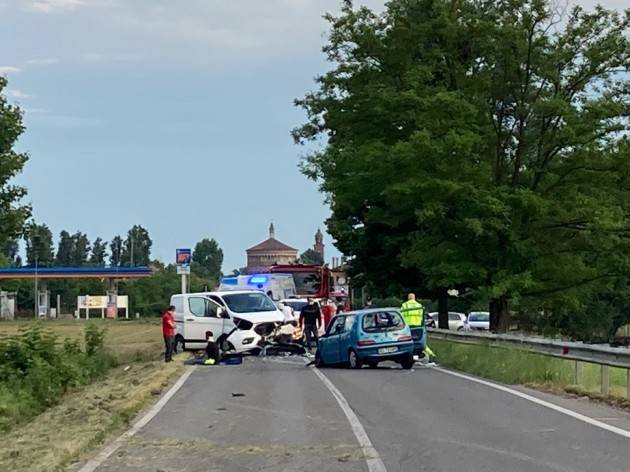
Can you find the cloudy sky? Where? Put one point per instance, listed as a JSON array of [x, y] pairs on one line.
[[171, 114]]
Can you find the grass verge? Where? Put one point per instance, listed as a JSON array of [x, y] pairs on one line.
[[512, 366], [86, 416]]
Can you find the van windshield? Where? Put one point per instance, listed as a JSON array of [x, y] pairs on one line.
[[249, 302], [382, 321]]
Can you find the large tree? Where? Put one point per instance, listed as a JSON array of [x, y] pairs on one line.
[[65, 248], [99, 252], [137, 247], [81, 249], [11, 253], [13, 214], [475, 145], [311, 256], [207, 259], [39, 245], [115, 251]]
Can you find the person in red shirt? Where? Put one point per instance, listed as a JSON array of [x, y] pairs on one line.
[[168, 331], [327, 313]]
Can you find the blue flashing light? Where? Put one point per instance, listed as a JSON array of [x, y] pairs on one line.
[[258, 280], [230, 281]]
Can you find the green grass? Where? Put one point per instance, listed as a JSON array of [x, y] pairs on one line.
[[513, 366]]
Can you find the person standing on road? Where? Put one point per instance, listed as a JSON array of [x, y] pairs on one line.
[[413, 313], [168, 331], [310, 320], [327, 313]]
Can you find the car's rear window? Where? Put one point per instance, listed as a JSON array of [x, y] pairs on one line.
[[382, 321], [479, 317]]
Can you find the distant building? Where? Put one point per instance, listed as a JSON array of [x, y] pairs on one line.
[[318, 247], [270, 252]]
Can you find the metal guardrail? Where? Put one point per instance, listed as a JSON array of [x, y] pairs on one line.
[[605, 356]]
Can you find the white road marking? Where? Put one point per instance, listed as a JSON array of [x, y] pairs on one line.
[[538, 401], [102, 456], [372, 458]]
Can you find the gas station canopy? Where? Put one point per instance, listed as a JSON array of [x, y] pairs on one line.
[[75, 273]]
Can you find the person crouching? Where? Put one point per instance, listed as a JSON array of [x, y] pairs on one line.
[[212, 350]]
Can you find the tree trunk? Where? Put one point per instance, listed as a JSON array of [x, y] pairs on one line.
[[443, 308], [499, 314]]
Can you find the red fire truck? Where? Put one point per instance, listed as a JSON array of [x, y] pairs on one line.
[[311, 280]]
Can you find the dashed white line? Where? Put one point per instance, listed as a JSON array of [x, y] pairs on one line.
[[92, 464], [538, 401], [372, 458]]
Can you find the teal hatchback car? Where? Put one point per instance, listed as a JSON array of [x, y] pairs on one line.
[[366, 337]]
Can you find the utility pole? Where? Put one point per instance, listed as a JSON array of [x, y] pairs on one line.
[[131, 262], [36, 290]]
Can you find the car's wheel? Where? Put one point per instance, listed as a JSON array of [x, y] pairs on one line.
[[225, 345], [180, 344], [407, 362], [373, 365], [353, 360], [318, 360]]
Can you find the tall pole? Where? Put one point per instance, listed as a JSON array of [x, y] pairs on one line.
[[36, 290], [131, 237]]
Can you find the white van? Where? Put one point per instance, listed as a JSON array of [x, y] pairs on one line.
[[280, 286], [239, 320]]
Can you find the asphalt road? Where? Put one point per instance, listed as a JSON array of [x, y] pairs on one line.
[[422, 420]]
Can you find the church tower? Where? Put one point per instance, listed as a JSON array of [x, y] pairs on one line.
[[319, 243]]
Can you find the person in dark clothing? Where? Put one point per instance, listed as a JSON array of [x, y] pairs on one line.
[[212, 350], [310, 320], [168, 331]]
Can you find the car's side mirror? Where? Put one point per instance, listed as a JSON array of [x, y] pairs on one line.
[[223, 313]]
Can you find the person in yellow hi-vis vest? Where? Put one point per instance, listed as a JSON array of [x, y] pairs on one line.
[[413, 313]]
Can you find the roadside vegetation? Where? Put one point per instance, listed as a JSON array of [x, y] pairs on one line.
[[37, 368], [516, 367], [480, 149], [69, 385]]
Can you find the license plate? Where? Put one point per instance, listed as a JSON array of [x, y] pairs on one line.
[[387, 350]]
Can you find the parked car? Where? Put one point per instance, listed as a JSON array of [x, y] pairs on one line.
[[456, 321], [366, 337], [479, 320]]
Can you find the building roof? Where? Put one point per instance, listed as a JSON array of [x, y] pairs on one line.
[[270, 245]]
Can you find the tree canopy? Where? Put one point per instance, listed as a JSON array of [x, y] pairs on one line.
[[207, 259], [477, 145], [311, 256], [13, 214]]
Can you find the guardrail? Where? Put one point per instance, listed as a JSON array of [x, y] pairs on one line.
[[605, 356]]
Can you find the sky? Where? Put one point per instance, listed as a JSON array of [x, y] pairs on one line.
[[175, 115]]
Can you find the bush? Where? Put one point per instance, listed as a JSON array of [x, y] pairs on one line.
[[35, 370]]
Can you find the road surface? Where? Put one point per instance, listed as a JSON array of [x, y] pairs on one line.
[[422, 420]]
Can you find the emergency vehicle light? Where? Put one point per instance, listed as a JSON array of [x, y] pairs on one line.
[[258, 280]]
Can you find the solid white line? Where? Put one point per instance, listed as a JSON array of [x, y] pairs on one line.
[[538, 401], [373, 460], [102, 456]]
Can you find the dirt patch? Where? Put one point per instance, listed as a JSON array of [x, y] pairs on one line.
[[573, 391]]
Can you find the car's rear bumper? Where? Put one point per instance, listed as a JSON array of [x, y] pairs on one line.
[[372, 352]]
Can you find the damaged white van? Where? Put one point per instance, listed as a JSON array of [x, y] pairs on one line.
[[241, 321]]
